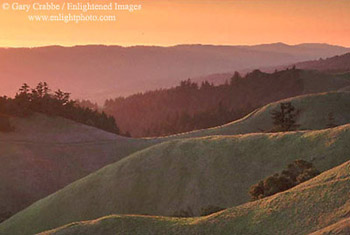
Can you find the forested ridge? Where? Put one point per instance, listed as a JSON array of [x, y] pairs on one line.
[[42, 100], [190, 106]]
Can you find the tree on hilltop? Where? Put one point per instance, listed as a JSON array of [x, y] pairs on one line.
[[284, 119]]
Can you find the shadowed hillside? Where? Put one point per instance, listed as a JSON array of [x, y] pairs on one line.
[[43, 154], [179, 174], [318, 203]]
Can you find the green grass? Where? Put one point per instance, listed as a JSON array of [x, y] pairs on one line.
[[44, 154], [320, 205], [173, 175], [340, 228], [313, 115]]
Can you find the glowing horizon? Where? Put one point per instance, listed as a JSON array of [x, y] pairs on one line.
[[166, 45], [210, 22]]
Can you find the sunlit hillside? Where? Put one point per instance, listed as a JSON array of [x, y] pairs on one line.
[[321, 204], [313, 114], [181, 174]]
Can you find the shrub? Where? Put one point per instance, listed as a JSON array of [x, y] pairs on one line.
[[297, 172]]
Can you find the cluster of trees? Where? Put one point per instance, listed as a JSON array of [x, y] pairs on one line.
[[87, 104], [191, 106], [40, 99], [297, 172]]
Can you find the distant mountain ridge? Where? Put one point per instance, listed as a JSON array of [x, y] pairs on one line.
[[338, 63], [334, 64], [98, 72]]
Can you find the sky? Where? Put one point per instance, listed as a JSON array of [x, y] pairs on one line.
[[164, 23]]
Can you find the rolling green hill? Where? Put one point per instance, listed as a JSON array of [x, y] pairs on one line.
[[313, 115], [45, 154], [321, 204], [178, 174]]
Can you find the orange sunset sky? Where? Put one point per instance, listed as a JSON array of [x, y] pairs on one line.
[[161, 22]]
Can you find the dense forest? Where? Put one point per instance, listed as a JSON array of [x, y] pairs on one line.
[[190, 106], [42, 100], [186, 107]]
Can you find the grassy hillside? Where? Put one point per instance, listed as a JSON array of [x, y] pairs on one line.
[[182, 173], [313, 115], [44, 154], [314, 205], [339, 228]]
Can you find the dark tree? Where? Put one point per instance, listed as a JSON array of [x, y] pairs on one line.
[[235, 78], [284, 119], [24, 89]]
